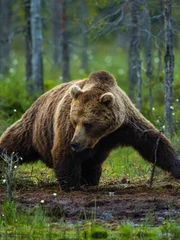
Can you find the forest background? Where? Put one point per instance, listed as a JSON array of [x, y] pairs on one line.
[[44, 43], [56, 41]]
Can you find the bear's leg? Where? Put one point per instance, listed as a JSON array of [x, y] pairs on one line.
[[92, 167], [68, 175], [18, 140], [152, 145], [91, 175], [67, 168]]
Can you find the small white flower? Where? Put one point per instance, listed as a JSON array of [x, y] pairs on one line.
[[15, 167], [89, 52], [121, 71], [173, 113], [153, 108], [111, 193], [171, 107], [42, 201], [4, 180], [163, 127], [54, 194], [156, 60], [15, 62], [81, 71], [11, 70], [90, 57], [177, 100], [75, 56], [157, 120], [2, 215], [108, 59], [15, 110]]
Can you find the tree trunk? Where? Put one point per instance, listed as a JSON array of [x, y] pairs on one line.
[[160, 44], [169, 67], [64, 43], [28, 37], [36, 33], [134, 48], [139, 89], [147, 49], [56, 32], [5, 31], [84, 55]]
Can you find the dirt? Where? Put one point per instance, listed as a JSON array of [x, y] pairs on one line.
[[112, 202]]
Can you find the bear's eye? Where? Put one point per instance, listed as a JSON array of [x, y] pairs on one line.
[[88, 125]]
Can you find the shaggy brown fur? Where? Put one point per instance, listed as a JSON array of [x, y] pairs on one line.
[[75, 126]]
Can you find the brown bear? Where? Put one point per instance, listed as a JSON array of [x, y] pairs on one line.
[[75, 126]]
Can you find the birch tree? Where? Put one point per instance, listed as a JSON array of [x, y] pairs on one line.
[[28, 38], [169, 67], [146, 37], [5, 31], [134, 63], [56, 32], [64, 43], [36, 33], [84, 55]]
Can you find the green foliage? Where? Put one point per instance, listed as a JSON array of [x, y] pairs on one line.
[[128, 231], [103, 57], [9, 214], [125, 163], [171, 229], [17, 223], [9, 169], [13, 97], [34, 223], [35, 174]]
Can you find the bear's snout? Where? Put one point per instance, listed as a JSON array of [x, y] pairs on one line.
[[75, 146]]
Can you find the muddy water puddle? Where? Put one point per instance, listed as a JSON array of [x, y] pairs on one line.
[[115, 203], [112, 203]]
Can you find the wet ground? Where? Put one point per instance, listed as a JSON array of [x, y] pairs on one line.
[[111, 202]]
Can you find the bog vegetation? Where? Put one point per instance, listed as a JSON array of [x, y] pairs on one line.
[[99, 35]]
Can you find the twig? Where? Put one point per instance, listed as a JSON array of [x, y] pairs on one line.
[[155, 160], [13, 34], [10, 163]]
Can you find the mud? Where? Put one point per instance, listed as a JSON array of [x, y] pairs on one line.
[[111, 203]]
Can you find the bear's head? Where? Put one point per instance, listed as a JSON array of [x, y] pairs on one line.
[[94, 114]]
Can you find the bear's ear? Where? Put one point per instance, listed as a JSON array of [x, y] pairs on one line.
[[107, 99], [75, 91]]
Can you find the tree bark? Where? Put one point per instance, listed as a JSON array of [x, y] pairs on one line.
[[36, 33], [5, 31], [169, 67], [134, 48], [147, 49], [65, 43], [56, 32], [160, 44], [84, 55], [28, 37]]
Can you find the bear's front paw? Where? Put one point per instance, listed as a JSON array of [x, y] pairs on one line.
[[67, 187]]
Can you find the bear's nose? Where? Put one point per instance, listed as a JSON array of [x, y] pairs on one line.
[[75, 146]]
